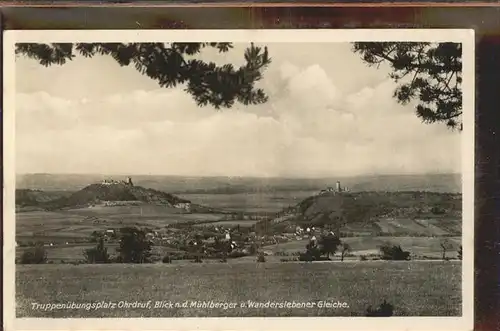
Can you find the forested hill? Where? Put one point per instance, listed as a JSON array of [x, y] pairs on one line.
[[375, 213], [96, 193]]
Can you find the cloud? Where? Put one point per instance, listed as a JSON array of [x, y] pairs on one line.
[[310, 127]]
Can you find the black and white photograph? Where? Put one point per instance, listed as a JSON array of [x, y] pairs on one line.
[[183, 177]]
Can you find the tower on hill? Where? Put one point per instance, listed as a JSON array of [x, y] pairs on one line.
[[129, 181]]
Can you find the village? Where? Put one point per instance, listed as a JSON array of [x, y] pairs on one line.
[[240, 241], [203, 237], [210, 240]]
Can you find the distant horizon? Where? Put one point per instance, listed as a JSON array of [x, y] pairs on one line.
[[431, 182], [233, 176]]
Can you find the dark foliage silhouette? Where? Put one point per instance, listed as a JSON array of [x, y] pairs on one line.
[[34, 255], [344, 251], [328, 244], [429, 73], [390, 252], [171, 64], [445, 246], [134, 246], [384, 310], [261, 258], [98, 254]]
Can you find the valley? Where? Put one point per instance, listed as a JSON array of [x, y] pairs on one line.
[[273, 225], [275, 221]]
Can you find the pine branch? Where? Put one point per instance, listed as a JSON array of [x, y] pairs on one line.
[[208, 83], [433, 67]]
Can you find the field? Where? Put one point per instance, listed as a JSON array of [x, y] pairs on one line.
[[415, 288], [230, 223], [417, 246], [69, 225], [77, 223], [250, 202], [66, 227]]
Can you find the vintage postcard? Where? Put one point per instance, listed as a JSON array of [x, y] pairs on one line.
[[243, 180]]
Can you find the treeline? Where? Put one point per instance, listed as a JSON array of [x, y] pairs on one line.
[[135, 247], [321, 250]]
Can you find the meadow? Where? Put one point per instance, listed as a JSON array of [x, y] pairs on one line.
[[78, 224], [366, 245], [65, 228], [415, 288], [419, 247], [250, 201]]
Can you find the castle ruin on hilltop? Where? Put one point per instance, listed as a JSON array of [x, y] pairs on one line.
[[338, 189], [128, 182]]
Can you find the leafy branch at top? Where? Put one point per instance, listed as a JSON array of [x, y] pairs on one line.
[[171, 64]]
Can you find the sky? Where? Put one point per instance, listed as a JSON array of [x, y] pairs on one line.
[[328, 115]]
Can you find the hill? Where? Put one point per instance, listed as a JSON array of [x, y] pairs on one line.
[[375, 213], [37, 198], [109, 193]]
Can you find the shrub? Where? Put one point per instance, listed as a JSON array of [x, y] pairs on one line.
[[328, 244], [94, 236], [437, 210], [345, 248], [197, 259], [252, 249], [395, 252], [167, 259], [77, 262], [460, 253], [116, 259], [134, 246], [185, 256], [261, 257], [384, 310], [98, 254], [362, 258], [445, 246], [305, 258], [35, 255], [312, 254], [236, 254]]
